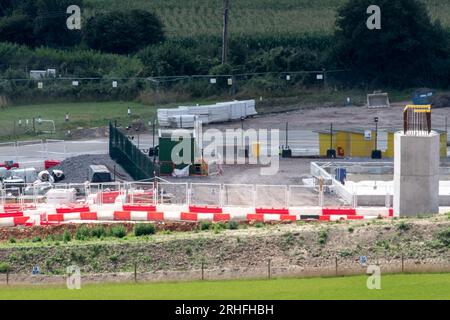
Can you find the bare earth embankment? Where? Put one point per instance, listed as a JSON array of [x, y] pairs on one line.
[[294, 249]]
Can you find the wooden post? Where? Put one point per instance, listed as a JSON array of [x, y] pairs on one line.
[[269, 273], [7, 277], [225, 31], [336, 265], [203, 271], [403, 263], [135, 272]]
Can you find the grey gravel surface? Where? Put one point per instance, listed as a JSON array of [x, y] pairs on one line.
[[76, 168]]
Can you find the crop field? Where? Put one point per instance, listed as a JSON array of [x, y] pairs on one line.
[[405, 286], [249, 17]]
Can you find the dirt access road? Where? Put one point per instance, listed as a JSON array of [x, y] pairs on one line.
[[351, 117]]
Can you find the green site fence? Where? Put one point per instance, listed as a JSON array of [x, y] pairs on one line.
[[138, 164]]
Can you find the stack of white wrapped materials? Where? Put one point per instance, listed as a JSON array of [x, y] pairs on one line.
[[164, 115], [183, 121], [184, 117], [219, 113], [201, 112]]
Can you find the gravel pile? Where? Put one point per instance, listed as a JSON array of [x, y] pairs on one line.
[[76, 169]]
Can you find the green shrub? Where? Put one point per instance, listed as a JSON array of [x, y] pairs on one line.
[[351, 229], [98, 232], [36, 239], [232, 225], [444, 237], [12, 240], [259, 225], [118, 231], [345, 253], [144, 229], [288, 238], [323, 237], [66, 236], [83, 233], [205, 226], [4, 267], [403, 226]]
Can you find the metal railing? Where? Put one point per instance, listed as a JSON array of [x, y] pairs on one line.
[[184, 194]]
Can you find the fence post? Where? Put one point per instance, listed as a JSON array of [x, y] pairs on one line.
[[321, 192], [221, 195], [403, 263], [355, 200], [336, 266], [188, 192], [7, 276], [269, 273], [286, 196], [254, 196], [203, 271], [135, 272]]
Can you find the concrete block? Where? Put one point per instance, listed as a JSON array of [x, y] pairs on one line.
[[416, 174]]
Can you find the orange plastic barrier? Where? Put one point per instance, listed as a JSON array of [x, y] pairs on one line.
[[21, 220], [221, 217], [272, 211], [88, 216], [73, 209], [55, 217], [122, 216], [11, 214], [195, 209], [155, 216], [51, 163], [338, 211], [285, 217], [188, 216], [109, 197], [355, 218], [255, 217], [139, 208]]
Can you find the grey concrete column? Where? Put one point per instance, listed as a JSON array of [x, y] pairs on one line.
[[416, 174]]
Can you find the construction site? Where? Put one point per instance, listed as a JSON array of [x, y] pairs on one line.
[[299, 193], [321, 175]]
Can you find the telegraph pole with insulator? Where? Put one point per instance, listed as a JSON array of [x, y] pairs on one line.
[[225, 31]]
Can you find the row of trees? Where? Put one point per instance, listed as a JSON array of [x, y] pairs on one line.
[[409, 49], [44, 23]]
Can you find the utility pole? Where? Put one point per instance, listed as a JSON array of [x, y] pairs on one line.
[[225, 31]]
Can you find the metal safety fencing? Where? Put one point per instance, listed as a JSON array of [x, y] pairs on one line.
[[162, 193]]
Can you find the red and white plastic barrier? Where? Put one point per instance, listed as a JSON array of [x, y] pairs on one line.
[[13, 221], [12, 215]]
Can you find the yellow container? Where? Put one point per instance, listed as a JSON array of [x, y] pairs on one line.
[[256, 149]]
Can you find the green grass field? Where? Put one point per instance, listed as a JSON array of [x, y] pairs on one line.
[[248, 17], [423, 286], [99, 114], [85, 115]]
